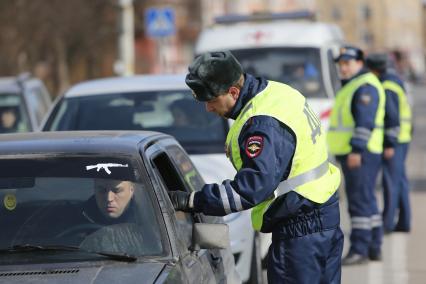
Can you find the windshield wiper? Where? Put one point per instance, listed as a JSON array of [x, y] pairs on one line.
[[30, 248]]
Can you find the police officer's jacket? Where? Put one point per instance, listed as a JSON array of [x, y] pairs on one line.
[[398, 116], [358, 127], [262, 168]]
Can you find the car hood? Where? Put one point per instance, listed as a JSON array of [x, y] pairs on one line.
[[74, 273]]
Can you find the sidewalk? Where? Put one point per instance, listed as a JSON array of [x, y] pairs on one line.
[[404, 255]]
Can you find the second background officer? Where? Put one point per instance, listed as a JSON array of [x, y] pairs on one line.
[[397, 135], [355, 136]]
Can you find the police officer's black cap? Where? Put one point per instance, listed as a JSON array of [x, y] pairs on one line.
[[213, 73], [349, 52], [377, 61]]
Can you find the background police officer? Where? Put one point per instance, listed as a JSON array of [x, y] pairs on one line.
[[279, 151], [355, 136], [397, 139]]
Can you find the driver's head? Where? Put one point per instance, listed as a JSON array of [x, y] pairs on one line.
[[8, 118], [113, 196]]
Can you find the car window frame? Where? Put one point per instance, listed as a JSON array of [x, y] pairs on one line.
[[186, 254], [46, 124], [35, 93], [333, 72]]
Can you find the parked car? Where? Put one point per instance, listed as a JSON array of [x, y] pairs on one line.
[[92, 207], [24, 101], [290, 48], [163, 103]]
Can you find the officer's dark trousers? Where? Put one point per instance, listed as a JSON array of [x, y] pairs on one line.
[[366, 222], [307, 248], [396, 191]]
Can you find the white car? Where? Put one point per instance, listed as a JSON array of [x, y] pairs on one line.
[[288, 48], [24, 101], [163, 103]]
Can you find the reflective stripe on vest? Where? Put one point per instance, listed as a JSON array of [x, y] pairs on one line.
[[311, 175], [342, 124], [404, 134]]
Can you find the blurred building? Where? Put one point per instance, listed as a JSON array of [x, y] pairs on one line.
[[424, 24], [169, 54], [213, 8], [386, 25]]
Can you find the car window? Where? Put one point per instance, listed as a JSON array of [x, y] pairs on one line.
[[13, 115], [191, 176], [297, 67], [172, 112], [173, 181], [69, 202]]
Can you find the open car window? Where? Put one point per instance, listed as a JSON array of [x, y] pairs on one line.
[[95, 204]]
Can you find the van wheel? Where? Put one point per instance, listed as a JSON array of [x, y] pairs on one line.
[[256, 273]]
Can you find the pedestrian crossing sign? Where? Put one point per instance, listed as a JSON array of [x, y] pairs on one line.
[[160, 22]]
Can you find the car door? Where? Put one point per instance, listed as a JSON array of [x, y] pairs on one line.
[[211, 258], [196, 265]]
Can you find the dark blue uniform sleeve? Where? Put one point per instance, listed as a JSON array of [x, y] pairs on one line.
[[266, 149], [364, 107], [391, 119]]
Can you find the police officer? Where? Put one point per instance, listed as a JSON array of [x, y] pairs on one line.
[[397, 139], [278, 148], [355, 136]]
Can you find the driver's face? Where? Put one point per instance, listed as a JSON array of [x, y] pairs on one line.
[[112, 197]]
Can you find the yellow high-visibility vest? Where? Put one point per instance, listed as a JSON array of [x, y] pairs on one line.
[[405, 116], [311, 175], [342, 124]]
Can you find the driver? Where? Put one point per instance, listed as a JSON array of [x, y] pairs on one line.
[[112, 202]]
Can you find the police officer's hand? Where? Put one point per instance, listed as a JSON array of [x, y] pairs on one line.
[[180, 200], [354, 160], [388, 153]]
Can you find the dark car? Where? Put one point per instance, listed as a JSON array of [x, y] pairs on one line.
[[24, 101], [92, 207]]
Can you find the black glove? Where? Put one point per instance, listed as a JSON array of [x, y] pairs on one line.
[[180, 200]]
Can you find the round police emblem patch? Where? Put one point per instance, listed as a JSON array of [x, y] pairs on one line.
[[254, 146], [365, 99]]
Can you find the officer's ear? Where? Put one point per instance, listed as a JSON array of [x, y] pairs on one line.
[[235, 92]]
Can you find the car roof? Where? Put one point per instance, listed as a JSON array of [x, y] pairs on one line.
[[139, 83], [78, 142], [9, 85], [248, 35]]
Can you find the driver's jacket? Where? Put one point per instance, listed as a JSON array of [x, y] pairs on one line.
[[261, 171]]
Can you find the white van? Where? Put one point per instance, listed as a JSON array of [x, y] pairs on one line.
[[299, 52]]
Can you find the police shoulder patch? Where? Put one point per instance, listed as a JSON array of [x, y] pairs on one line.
[[365, 99], [254, 146]]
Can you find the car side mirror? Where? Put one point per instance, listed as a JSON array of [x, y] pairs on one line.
[[210, 236]]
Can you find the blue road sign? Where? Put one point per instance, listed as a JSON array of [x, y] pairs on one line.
[[160, 22]]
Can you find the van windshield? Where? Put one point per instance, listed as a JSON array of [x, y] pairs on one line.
[[297, 67]]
